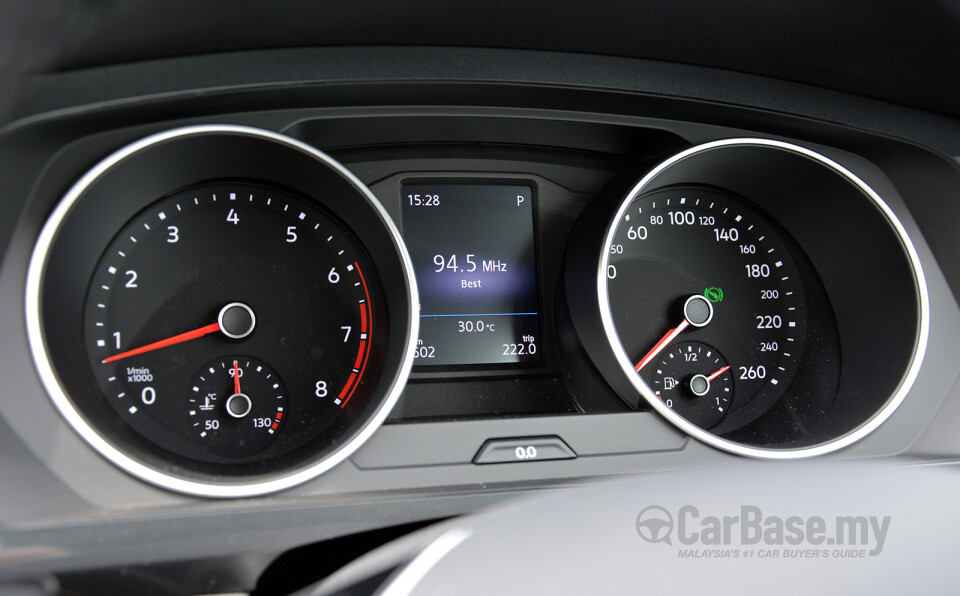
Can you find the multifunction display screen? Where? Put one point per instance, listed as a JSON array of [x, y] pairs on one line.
[[472, 247]]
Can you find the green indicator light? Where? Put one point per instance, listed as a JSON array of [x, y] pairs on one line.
[[714, 294]]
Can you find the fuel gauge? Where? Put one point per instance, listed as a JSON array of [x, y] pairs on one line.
[[694, 380]]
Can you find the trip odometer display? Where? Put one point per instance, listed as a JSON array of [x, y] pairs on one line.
[[692, 264]]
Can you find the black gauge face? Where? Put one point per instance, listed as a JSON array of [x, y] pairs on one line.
[[232, 322], [697, 265], [694, 380], [221, 310]]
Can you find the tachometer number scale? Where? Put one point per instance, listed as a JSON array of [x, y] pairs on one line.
[[212, 271]]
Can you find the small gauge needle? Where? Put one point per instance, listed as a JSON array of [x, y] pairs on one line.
[[718, 373], [666, 339], [163, 343], [236, 378]]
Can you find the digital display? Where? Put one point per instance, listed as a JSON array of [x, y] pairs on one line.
[[472, 247]]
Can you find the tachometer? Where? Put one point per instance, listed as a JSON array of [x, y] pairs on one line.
[[222, 311], [221, 268]]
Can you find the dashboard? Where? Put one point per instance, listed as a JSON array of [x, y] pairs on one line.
[[260, 319]]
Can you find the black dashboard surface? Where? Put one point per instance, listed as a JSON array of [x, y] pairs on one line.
[[893, 52], [573, 103]]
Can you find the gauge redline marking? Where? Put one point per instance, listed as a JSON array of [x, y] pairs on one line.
[[363, 344], [276, 422], [363, 311], [343, 391], [363, 352], [163, 343]]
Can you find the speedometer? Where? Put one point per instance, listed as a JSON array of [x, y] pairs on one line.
[[695, 264], [732, 298]]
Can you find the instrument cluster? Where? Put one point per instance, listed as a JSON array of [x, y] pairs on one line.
[[227, 311]]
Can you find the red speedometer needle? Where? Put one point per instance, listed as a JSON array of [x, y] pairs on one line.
[[666, 339], [697, 311], [163, 343], [718, 373], [236, 378]]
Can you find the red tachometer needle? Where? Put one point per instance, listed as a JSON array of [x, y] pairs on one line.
[[236, 378], [236, 321], [666, 339], [718, 373], [163, 343]]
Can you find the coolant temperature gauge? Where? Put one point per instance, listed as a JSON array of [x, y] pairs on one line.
[[236, 406], [694, 380]]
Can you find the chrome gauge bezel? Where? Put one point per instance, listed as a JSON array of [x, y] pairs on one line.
[[394, 380], [647, 183]]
